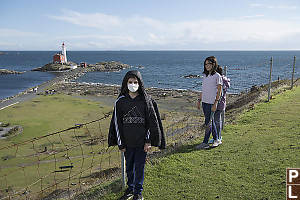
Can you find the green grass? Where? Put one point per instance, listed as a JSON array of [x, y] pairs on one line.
[[41, 158], [47, 114], [44, 115], [250, 164]]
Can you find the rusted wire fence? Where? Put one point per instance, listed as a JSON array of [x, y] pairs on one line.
[[66, 163]]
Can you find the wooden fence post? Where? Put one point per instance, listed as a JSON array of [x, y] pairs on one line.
[[270, 80], [294, 65]]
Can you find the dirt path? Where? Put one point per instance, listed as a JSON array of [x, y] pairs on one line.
[[30, 94]]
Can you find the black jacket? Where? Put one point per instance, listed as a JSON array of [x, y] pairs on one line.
[[153, 127], [131, 121]]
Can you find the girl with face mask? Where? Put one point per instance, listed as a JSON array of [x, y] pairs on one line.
[[133, 85], [135, 127]]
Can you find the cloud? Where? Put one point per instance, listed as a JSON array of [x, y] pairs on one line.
[[143, 32], [281, 6], [7, 44], [252, 16], [256, 5], [11, 46], [232, 30], [94, 20], [107, 22], [17, 33], [284, 7], [99, 40], [101, 37]]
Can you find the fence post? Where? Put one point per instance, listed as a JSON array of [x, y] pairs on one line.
[[123, 170], [270, 80], [294, 65]]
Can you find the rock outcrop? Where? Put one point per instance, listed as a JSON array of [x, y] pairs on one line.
[[192, 76], [6, 130], [111, 66], [55, 67], [5, 71]]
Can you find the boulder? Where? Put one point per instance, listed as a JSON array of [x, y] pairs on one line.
[[254, 88], [9, 131], [5, 71], [192, 76]]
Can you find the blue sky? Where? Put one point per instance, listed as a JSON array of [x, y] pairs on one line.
[[150, 24]]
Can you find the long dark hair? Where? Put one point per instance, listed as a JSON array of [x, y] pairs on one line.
[[213, 60], [220, 70], [133, 74], [142, 92]]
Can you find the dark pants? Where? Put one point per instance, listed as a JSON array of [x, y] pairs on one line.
[[212, 126], [135, 163], [218, 122]]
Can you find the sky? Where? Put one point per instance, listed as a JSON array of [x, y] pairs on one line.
[[91, 25]]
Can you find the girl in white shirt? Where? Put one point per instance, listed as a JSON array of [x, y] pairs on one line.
[[210, 96]]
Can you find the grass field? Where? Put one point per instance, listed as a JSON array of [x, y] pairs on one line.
[[47, 114], [31, 164], [250, 164]]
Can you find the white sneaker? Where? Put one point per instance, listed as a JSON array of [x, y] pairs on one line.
[[220, 142], [216, 143]]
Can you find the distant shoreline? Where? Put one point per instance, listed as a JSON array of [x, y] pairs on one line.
[[69, 75], [66, 78], [170, 50]]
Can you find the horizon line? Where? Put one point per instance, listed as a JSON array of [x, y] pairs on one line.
[[169, 50]]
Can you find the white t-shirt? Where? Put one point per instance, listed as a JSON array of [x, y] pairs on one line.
[[210, 87]]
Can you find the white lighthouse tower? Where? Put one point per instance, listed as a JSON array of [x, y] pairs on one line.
[[64, 53]]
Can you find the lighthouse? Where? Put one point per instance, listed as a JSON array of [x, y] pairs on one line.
[[61, 57], [64, 53]]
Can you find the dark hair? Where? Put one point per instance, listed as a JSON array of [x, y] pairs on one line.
[[213, 60], [219, 70], [132, 74]]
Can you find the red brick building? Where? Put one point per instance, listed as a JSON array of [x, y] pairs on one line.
[[58, 58]]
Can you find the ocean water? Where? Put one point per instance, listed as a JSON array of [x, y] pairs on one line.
[[162, 69]]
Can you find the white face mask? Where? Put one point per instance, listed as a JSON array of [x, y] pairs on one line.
[[133, 87]]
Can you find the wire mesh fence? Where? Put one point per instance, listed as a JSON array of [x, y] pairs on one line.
[[245, 74], [66, 163]]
